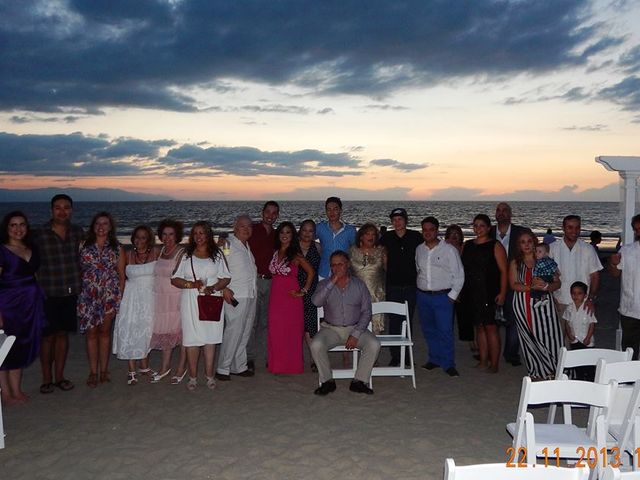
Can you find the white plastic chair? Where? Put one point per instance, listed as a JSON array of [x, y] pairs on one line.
[[6, 341], [623, 417], [403, 340], [611, 473], [587, 357], [500, 471], [563, 440]]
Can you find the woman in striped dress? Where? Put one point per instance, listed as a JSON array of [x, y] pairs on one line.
[[538, 327]]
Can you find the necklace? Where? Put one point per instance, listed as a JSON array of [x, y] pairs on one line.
[[138, 256], [167, 253]]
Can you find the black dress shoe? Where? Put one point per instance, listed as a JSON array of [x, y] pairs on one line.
[[246, 373], [326, 388], [359, 386], [430, 366], [251, 366], [222, 377], [516, 362], [452, 372]]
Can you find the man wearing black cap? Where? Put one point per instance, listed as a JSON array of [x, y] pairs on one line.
[[401, 246]]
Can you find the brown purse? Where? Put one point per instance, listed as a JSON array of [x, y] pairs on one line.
[[209, 306]]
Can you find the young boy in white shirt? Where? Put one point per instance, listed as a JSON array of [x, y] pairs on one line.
[[580, 326]]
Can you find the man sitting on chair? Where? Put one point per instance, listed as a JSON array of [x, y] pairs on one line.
[[347, 313]]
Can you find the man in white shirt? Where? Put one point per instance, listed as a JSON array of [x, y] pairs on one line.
[[577, 262], [240, 306], [439, 281], [627, 263]]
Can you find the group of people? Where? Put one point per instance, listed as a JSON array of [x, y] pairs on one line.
[[271, 280]]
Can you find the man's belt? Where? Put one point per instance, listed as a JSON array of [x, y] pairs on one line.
[[435, 292]]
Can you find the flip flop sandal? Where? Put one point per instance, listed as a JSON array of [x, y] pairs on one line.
[[64, 385], [47, 388]]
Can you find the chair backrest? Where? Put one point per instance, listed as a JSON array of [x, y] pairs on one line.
[[390, 307], [566, 391], [611, 473], [500, 471], [626, 403], [589, 357], [6, 341]]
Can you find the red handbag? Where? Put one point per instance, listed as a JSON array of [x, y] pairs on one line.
[[209, 306]]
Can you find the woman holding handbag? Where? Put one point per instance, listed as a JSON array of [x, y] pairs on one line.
[[201, 272]]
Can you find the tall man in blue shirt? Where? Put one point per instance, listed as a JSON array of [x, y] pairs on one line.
[[333, 234], [347, 313]]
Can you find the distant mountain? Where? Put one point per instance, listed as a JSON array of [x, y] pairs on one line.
[[78, 194]]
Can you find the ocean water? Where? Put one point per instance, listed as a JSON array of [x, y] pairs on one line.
[[603, 216]]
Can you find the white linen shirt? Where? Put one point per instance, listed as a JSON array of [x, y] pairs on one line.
[[439, 268], [579, 321], [630, 286], [504, 240], [575, 265], [242, 266]]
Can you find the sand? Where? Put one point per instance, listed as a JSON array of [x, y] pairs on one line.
[[269, 427]]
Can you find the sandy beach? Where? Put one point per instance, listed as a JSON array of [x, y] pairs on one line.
[[269, 427]]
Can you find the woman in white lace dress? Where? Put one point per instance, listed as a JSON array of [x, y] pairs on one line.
[[134, 322]]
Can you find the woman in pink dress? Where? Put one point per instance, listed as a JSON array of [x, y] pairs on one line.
[[286, 319], [167, 326]]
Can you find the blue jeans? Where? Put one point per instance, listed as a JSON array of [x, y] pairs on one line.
[[436, 320]]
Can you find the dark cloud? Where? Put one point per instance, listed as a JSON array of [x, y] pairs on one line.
[[321, 193], [630, 60], [385, 107], [405, 167], [249, 161], [275, 109], [78, 155], [147, 53], [625, 93], [325, 111]]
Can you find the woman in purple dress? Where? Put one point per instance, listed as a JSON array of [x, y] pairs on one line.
[[21, 304], [286, 321]]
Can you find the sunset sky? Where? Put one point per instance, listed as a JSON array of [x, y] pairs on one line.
[[444, 99]]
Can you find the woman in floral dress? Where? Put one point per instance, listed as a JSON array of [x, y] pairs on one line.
[[102, 263]]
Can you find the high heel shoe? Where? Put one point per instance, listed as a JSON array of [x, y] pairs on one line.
[[92, 381], [131, 378], [175, 380], [105, 377], [146, 371], [159, 376], [192, 384], [211, 383]]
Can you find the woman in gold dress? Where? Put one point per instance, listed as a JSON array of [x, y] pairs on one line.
[[369, 264]]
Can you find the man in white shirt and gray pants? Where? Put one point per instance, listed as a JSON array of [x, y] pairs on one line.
[[440, 279], [627, 263]]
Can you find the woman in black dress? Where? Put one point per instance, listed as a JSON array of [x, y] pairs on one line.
[[310, 251], [485, 287]]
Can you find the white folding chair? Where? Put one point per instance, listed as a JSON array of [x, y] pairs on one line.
[[565, 440], [500, 471], [338, 373], [587, 357], [6, 341], [404, 341], [611, 473], [624, 409]]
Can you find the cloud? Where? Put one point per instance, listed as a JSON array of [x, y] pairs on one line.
[[78, 155], [625, 93], [598, 127], [607, 193], [321, 193], [405, 167], [149, 53], [630, 60], [385, 107], [325, 111], [249, 161]]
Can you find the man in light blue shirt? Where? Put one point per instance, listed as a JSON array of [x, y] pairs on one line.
[[333, 234]]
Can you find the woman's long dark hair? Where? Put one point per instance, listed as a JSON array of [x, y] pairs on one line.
[[212, 249], [112, 240], [294, 247], [4, 228]]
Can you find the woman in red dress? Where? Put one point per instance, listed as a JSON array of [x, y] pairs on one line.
[[286, 318]]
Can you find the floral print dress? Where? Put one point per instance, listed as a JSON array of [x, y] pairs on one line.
[[100, 293]]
